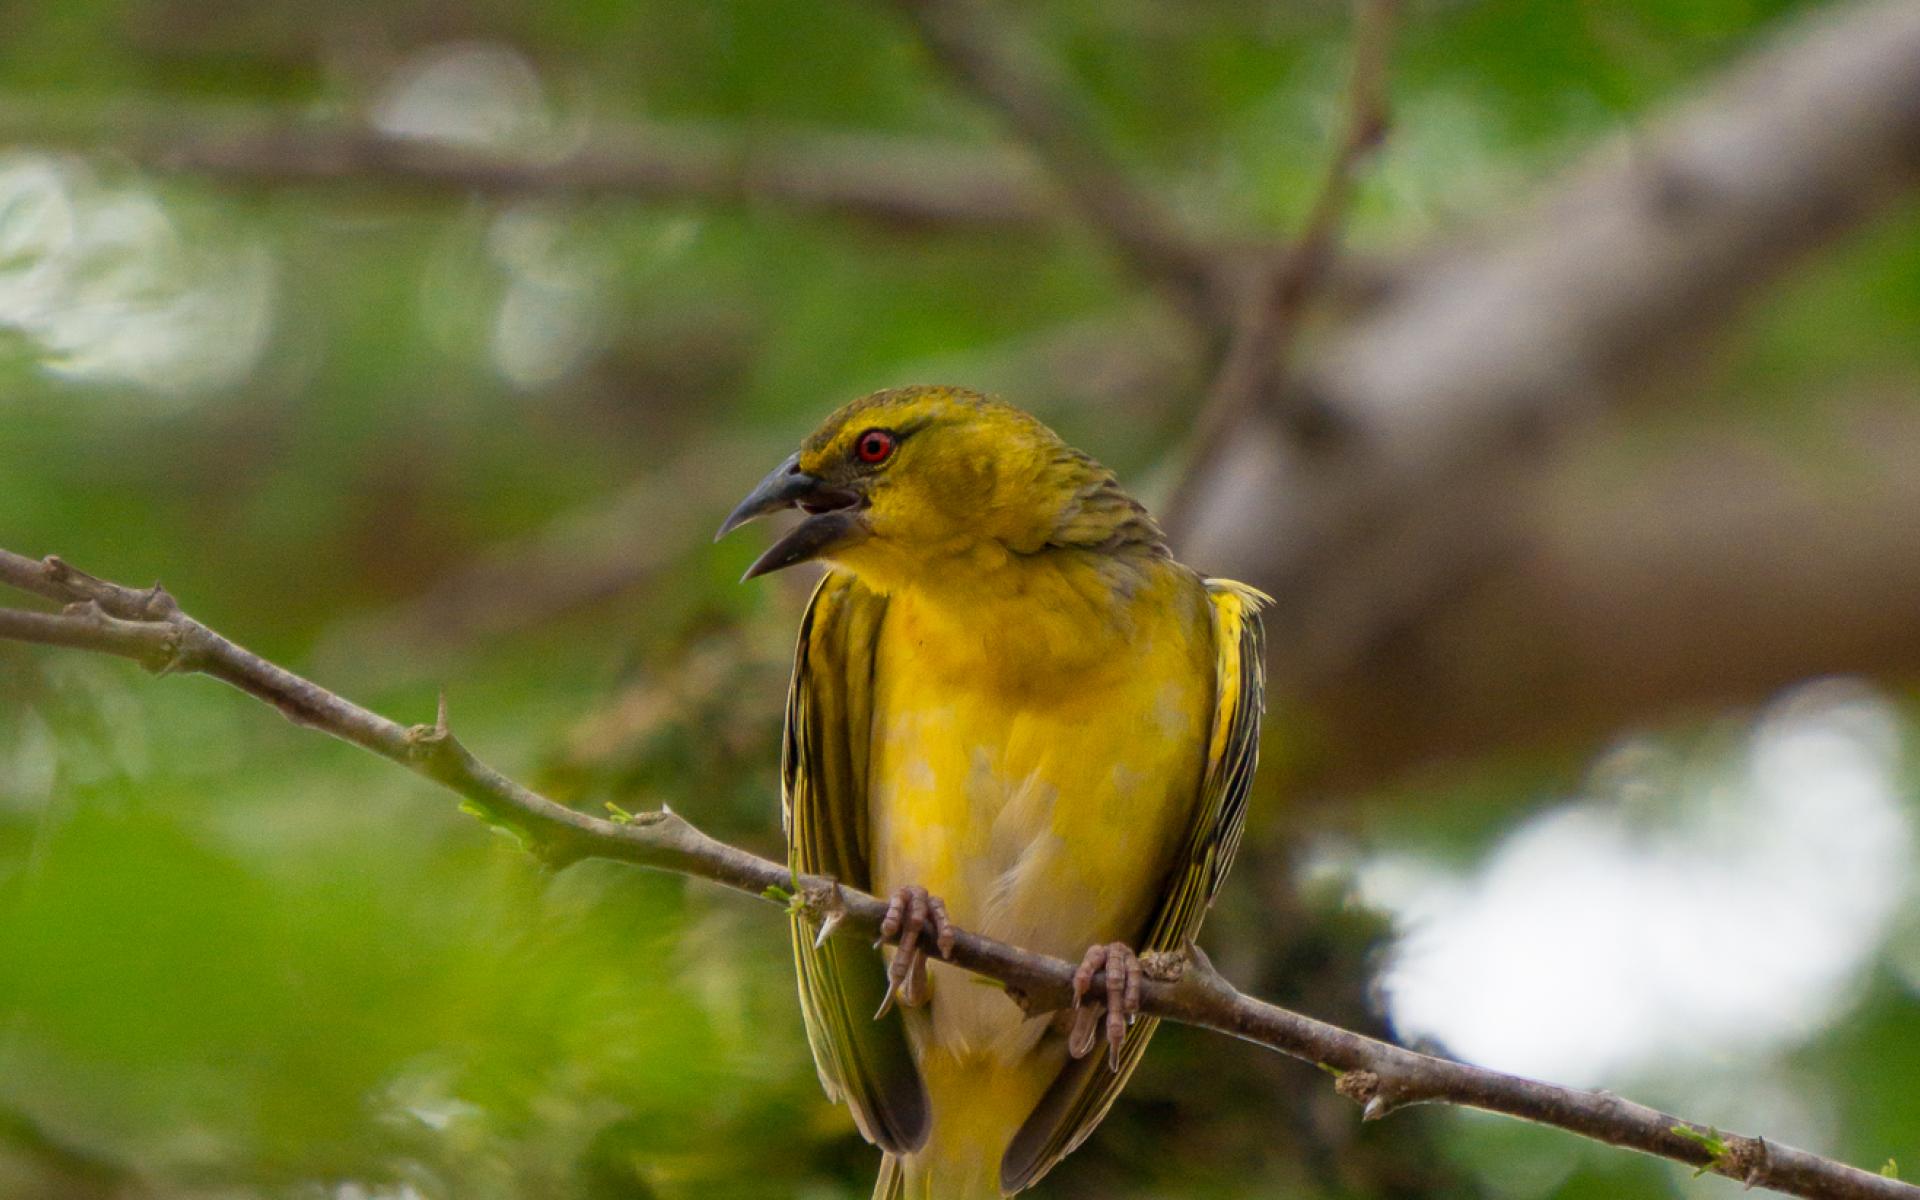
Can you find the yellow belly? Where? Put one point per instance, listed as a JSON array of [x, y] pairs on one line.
[[1038, 778]]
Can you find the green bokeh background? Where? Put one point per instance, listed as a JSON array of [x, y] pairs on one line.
[[238, 960]]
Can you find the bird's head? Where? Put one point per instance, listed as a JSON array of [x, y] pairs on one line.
[[919, 479]]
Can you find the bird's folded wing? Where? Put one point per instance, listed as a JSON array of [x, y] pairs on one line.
[[1087, 1087], [824, 772]]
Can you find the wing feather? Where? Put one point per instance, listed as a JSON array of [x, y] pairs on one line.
[[824, 770], [1080, 1097]]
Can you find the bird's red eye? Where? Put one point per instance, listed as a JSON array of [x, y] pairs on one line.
[[873, 446]]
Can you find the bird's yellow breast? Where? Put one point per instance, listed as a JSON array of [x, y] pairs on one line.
[[1037, 752]]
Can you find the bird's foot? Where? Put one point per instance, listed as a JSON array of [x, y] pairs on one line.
[[1120, 1005], [912, 916]]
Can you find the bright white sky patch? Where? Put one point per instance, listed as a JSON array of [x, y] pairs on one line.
[[553, 316], [1695, 912], [108, 290], [467, 93]]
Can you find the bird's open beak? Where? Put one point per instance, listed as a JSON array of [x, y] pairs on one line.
[[833, 517]]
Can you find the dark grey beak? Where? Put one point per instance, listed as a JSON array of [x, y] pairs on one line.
[[782, 488], [833, 517]]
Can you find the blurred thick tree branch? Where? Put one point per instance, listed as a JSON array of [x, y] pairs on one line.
[[1724, 573], [149, 627], [1435, 409], [893, 181]]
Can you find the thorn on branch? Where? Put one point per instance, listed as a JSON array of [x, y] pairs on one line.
[[441, 756], [828, 906], [158, 603], [187, 653], [1750, 1159], [1376, 1096], [433, 744]]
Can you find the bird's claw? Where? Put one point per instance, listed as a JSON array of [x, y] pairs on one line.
[[910, 914], [1120, 1006]]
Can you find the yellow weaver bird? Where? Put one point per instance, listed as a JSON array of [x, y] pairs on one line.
[[1012, 712]]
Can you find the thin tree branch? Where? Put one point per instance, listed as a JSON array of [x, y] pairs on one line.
[[1697, 574], [149, 627], [1267, 324], [1002, 66]]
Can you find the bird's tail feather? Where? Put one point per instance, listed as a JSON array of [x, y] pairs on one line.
[[901, 1180], [892, 1184]]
